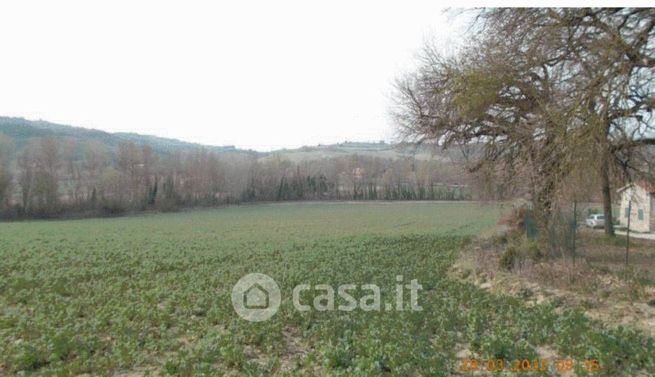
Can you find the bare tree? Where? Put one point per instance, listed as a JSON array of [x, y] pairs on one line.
[[609, 58], [540, 87], [495, 98], [95, 160], [7, 146]]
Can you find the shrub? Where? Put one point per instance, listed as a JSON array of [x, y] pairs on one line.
[[532, 250], [112, 207], [499, 239], [509, 257]]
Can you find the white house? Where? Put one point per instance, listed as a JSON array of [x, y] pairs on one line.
[[642, 216]]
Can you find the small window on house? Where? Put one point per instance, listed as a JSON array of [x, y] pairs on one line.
[[627, 212], [640, 214]]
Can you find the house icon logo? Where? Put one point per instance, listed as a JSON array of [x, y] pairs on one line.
[[256, 297]]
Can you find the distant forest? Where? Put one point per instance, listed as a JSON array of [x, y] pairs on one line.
[[58, 173]]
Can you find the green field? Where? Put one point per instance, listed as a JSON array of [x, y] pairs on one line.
[[151, 295]]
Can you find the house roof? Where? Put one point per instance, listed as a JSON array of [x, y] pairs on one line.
[[643, 184]]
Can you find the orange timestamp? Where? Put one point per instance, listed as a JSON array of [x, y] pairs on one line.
[[526, 365]]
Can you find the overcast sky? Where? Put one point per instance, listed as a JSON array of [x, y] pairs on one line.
[[255, 74]]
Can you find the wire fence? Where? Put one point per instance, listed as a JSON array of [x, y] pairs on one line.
[[568, 236]]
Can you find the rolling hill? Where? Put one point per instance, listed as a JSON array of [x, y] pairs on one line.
[[21, 130]]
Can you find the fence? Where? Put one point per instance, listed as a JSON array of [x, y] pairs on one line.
[[567, 237], [561, 235]]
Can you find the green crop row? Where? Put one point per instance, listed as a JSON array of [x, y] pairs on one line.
[[151, 295]]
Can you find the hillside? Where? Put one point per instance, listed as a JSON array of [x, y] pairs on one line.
[[20, 130], [380, 150]]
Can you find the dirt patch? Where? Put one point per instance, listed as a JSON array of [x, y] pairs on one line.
[[610, 254], [296, 351], [604, 288]]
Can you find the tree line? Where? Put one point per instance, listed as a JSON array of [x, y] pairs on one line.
[[52, 177], [558, 99]]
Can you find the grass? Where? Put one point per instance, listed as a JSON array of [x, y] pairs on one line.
[[151, 295]]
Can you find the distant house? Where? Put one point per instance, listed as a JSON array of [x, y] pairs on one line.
[[359, 172], [642, 216]]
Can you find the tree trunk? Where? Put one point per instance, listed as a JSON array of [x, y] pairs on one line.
[[605, 180], [607, 195], [543, 206]]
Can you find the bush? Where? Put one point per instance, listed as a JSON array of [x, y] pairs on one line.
[[509, 257], [112, 207], [532, 250], [499, 239], [519, 250]]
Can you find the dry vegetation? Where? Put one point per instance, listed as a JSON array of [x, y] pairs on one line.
[[597, 280]]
